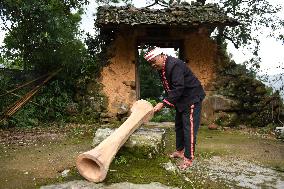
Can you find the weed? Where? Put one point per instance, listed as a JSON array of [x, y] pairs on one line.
[[121, 160]]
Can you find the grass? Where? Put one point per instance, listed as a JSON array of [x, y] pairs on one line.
[[42, 162]]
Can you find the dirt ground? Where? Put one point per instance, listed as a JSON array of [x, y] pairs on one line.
[[30, 158]]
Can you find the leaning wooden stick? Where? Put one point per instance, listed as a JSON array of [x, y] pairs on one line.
[[94, 164]]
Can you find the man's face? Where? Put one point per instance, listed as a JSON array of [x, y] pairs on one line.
[[157, 62]]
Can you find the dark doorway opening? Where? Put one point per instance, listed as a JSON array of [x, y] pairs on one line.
[[148, 84]]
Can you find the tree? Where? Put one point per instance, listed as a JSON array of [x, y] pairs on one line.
[[42, 34], [254, 15]]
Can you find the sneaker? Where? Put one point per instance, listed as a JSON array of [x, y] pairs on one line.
[[177, 154], [186, 163]]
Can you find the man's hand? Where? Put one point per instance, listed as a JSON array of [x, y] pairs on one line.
[[158, 107]]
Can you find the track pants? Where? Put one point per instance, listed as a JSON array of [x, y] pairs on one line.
[[186, 127]]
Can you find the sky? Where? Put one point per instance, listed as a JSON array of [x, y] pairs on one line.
[[271, 51]]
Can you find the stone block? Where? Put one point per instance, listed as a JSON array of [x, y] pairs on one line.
[[279, 132], [216, 103], [146, 142]]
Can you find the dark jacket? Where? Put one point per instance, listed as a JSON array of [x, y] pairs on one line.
[[181, 86]]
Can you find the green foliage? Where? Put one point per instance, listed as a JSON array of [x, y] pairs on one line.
[[152, 101], [53, 100], [25, 118], [254, 15], [121, 160], [42, 33], [150, 84], [98, 48], [268, 129], [165, 115], [43, 37], [49, 104], [226, 119], [5, 82], [257, 105]]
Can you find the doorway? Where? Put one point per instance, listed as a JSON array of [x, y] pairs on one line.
[[148, 84]]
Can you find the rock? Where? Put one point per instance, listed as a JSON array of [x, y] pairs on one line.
[[221, 103], [279, 132], [242, 127], [122, 185], [101, 134], [74, 184], [124, 119], [130, 84], [65, 173], [120, 107], [226, 119], [170, 167], [216, 103], [123, 109], [213, 126], [132, 96], [244, 174], [148, 141], [226, 128], [94, 103]]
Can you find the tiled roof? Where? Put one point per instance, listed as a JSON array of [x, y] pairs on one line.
[[189, 15]]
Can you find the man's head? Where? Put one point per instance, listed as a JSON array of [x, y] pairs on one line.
[[155, 57]]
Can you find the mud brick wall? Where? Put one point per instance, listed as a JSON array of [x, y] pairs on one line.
[[201, 52], [118, 78]]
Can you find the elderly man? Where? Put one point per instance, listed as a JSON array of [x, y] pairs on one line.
[[183, 92]]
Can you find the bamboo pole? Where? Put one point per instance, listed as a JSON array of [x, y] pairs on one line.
[[23, 85], [21, 102]]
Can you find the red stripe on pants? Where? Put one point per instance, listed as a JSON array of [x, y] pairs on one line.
[[191, 131]]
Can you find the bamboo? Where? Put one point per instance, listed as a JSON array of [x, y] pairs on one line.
[[23, 85], [22, 101]]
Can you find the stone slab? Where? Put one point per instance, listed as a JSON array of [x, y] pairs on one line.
[[89, 185], [147, 141]]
